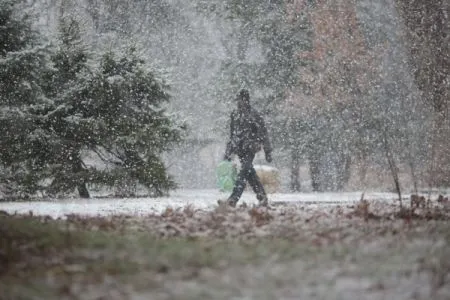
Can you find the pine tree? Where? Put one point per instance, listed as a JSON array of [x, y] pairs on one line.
[[124, 103], [61, 157], [22, 61], [114, 110], [56, 112]]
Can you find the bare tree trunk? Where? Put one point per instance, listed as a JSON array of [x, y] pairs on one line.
[[314, 171], [295, 168], [392, 166], [77, 167], [412, 168], [83, 191], [363, 169], [343, 169], [412, 165]]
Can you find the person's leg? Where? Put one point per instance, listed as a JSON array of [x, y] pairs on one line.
[[257, 186], [243, 176]]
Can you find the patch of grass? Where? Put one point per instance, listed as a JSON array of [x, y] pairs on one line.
[[32, 249], [42, 258]]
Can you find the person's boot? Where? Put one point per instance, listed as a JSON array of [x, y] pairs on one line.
[[263, 200], [232, 202], [229, 202]]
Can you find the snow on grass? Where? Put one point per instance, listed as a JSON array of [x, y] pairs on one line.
[[198, 199]]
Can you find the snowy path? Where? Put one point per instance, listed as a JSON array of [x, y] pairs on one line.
[[202, 199]]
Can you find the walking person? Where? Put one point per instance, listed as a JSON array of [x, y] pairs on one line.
[[248, 134]]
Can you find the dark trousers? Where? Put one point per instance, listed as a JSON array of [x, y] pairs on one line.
[[247, 173]]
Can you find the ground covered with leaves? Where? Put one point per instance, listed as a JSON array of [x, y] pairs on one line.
[[369, 250]]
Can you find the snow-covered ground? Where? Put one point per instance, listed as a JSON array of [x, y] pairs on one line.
[[201, 199]]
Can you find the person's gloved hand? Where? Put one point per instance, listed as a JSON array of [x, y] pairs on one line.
[[268, 157]]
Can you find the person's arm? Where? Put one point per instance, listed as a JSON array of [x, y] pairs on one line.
[[231, 144]]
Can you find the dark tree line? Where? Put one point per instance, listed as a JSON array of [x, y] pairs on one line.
[[330, 77], [356, 107], [427, 36]]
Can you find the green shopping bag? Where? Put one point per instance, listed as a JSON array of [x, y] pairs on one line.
[[226, 176]]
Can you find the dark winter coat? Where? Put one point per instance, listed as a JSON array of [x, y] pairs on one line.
[[248, 134]]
